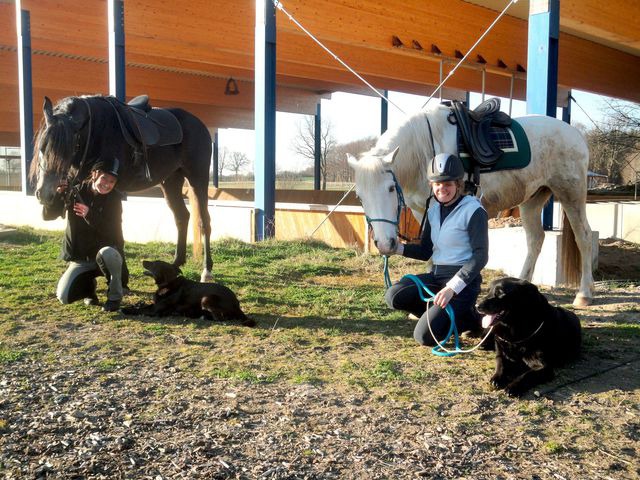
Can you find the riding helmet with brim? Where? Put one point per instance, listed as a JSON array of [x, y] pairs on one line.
[[445, 167], [108, 165]]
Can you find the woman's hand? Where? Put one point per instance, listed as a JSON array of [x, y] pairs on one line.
[[80, 209], [62, 186], [443, 297]]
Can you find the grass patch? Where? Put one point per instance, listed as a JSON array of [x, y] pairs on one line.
[[8, 356]]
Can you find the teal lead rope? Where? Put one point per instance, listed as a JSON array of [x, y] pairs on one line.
[[422, 288]]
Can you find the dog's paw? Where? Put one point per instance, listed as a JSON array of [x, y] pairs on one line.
[[249, 322], [499, 381], [515, 389]]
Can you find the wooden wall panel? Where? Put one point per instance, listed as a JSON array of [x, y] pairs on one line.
[[340, 230]]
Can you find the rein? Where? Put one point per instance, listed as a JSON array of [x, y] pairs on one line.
[[74, 180]]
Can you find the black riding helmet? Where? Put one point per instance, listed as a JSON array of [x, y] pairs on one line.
[[108, 165], [445, 167]]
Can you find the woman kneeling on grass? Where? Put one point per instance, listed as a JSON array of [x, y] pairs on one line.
[[93, 241], [456, 239]]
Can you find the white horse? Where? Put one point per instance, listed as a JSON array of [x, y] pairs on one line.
[[558, 166]]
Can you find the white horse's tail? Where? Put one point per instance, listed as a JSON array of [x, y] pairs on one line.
[[571, 265]]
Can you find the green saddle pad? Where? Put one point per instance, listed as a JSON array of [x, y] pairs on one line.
[[514, 144]]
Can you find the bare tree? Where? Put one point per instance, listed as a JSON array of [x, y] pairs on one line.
[[615, 146], [338, 166], [223, 159], [304, 144], [237, 161]]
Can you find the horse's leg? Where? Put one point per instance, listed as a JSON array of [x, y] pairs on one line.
[[199, 189], [576, 212], [530, 211], [172, 190]]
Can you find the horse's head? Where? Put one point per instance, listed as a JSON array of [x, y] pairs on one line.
[[60, 144], [380, 194]]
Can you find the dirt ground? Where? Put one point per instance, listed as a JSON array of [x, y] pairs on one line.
[[150, 420]]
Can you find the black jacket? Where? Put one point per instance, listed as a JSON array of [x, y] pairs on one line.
[[102, 227]]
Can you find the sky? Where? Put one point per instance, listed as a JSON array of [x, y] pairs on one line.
[[357, 116]]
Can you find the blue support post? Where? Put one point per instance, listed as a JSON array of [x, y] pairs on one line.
[[384, 112], [566, 111], [214, 161], [117, 65], [317, 146], [265, 120], [23, 26], [542, 69]]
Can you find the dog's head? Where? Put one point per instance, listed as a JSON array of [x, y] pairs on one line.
[[507, 295], [161, 272]]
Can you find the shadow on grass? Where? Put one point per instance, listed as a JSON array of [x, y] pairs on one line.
[[28, 236], [610, 360], [334, 326]]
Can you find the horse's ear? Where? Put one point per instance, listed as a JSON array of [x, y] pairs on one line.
[[352, 161], [390, 157], [47, 108]]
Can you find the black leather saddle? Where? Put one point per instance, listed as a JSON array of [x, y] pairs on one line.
[[474, 126], [145, 126]]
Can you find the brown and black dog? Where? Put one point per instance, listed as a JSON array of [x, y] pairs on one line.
[[531, 336], [177, 295]]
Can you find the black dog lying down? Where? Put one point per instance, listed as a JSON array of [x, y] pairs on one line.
[[177, 295], [531, 336]]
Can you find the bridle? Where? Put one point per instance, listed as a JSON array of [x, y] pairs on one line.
[[74, 180], [401, 205]]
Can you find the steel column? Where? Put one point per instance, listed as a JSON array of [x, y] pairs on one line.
[[214, 160], [265, 120], [23, 27], [566, 111], [317, 146], [542, 69], [117, 65], [384, 112]]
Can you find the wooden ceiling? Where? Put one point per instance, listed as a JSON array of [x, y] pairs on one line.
[[182, 53]]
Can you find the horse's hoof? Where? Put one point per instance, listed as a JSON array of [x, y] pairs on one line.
[[206, 276], [582, 301]]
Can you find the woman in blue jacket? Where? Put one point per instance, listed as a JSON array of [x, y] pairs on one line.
[[456, 239]]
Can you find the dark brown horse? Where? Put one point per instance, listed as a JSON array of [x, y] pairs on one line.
[[80, 130]]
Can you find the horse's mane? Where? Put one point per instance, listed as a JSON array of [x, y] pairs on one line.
[[57, 139], [414, 140]]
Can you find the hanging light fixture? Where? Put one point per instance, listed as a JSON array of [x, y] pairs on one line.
[[231, 88]]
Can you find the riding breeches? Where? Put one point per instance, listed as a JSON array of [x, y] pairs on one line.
[[404, 295], [79, 280]]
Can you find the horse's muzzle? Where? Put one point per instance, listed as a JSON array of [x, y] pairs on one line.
[[387, 247]]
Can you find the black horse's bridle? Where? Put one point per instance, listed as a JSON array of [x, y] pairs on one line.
[[75, 180]]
